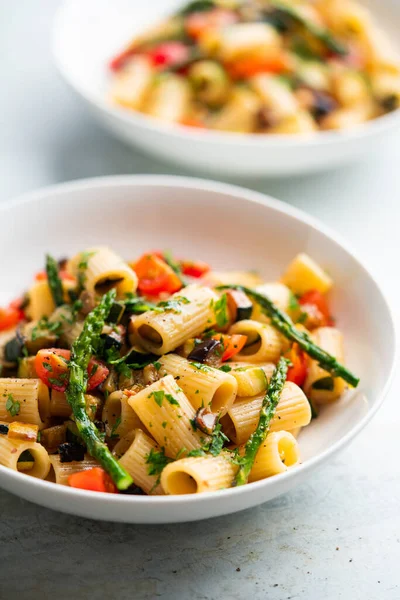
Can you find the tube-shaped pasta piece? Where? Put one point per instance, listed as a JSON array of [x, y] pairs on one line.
[[279, 452], [344, 118], [278, 293], [299, 122], [239, 113], [163, 332], [350, 87], [314, 74], [386, 89], [304, 274], [100, 269], [198, 474], [69, 327], [264, 342], [59, 405], [292, 411], [169, 98], [131, 85], [118, 416], [134, 460], [203, 385], [246, 278], [63, 470], [24, 400], [11, 450], [320, 386], [167, 414], [41, 303], [296, 432], [275, 94], [246, 38]]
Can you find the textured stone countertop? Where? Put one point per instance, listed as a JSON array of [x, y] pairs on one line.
[[338, 535]]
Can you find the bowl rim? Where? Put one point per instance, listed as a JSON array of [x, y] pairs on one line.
[[172, 181], [226, 138]]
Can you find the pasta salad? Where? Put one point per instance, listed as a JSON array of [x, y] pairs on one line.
[[161, 376], [261, 66]]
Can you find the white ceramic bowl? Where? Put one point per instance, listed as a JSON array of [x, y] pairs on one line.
[[87, 34], [230, 228]]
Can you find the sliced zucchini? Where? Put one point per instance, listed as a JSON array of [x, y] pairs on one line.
[[251, 380]]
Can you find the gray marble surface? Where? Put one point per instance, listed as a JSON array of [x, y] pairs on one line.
[[337, 536]]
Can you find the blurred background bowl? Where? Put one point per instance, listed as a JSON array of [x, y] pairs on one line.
[[87, 34]]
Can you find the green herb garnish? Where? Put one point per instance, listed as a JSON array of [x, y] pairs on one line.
[[220, 308], [54, 280], [12, 406]]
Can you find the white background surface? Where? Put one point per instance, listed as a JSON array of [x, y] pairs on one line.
[[336, 537]]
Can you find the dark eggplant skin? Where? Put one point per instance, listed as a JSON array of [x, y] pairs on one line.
[[70, 451], [13, 350], [202, 351], [134, 490], [116, 312], [239, 305], [111, 340]]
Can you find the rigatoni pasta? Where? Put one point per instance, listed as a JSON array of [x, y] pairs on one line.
[[279, 452], [198, 474], [168, 415], [11, 451], [264, 343], [203, 385], [151, 376], [190, 314], [99, 269], [135, 460], [293, 411]]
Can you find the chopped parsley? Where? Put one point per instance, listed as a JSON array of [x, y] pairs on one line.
[[123, 369], [173, 304], [44, 327], [180, 453], [220, 308], [158, 397], [82, 266], [196, 453], [12, 406], [201, 367], [157, 365], [114, 433], [293, 302], [61, 380], [225, 368], [214, 445], [157, 461], [302, 318], [164, 424], [172, 400]]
